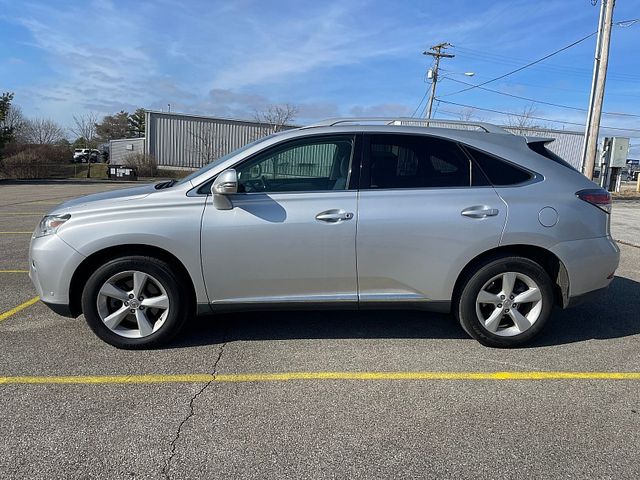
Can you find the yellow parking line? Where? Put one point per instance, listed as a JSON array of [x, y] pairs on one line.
[[22, 306], [14, 271], [288, 376]]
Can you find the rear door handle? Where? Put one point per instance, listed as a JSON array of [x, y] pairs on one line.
[[334, 216], [480, 211]]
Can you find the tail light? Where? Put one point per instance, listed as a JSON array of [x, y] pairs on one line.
[[596, 196]]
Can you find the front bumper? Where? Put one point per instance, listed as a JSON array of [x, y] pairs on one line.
[[52, 263], [590, 265], [62, 309]]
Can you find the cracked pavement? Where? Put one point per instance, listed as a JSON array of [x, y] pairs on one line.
[[167, 467], [316, 428]]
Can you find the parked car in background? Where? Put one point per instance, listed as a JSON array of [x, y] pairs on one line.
[[489, 226], [85, 155]]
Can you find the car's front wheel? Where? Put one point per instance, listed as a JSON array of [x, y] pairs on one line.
[[505, 302], [135, 302]]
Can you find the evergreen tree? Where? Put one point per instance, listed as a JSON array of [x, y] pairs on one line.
[[113, 127], [136, 123], [6, 131]]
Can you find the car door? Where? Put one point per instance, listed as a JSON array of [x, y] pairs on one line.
[[425, 210], [290, 236]]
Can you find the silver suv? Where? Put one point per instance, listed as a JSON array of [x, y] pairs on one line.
[[460, 218]]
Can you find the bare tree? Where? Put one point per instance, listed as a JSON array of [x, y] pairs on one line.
[[524, 120], [42, 131], [84, 126], [205, 144], [276, 117], [14, 119], [467, 114]]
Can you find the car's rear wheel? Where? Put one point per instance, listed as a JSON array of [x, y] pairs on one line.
[[505, 302], [135, 302]]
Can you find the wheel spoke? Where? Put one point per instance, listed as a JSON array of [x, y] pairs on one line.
[[493, 321], [161, 302], [508, 281], [488, 297], [110, 290], [139, 281], [531, 295], [521, 322], [113, 320], [144, 325]]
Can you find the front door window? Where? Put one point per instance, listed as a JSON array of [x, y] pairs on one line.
[[300, 166]]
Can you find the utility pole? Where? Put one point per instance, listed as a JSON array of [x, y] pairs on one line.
[[437, 53], [596, 98]]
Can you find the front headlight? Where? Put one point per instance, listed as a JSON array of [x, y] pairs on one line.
[[50, 224]]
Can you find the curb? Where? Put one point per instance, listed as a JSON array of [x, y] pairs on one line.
[[77, 181], [626, 199]]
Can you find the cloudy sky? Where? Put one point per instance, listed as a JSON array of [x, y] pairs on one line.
[[330, 58]]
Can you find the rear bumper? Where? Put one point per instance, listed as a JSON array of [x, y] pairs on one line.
[[590, 265], [587, 297]]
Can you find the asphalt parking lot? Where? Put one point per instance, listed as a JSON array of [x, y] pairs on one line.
[[314, 394]]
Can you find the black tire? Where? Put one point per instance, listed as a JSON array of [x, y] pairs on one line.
[[180, 307], [465, 303]]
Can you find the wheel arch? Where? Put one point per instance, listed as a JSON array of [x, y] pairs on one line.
[[543, 257], [93, 261]]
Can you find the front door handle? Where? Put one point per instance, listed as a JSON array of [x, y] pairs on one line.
[[334, 216], [480, 211]]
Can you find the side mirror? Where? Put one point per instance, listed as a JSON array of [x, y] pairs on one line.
[[225, 184]]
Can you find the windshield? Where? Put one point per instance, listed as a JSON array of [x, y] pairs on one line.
[[222, 159]]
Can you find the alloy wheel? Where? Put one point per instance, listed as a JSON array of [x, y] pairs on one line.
[[133, 304], [509, 304]]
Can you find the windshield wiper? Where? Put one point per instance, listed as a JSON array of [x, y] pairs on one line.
[[161, 185]]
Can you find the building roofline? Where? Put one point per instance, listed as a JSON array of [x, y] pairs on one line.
[[211, 117]]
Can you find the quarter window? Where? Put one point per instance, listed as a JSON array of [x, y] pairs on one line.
[[500, 173], [305, 165], [415, 161]]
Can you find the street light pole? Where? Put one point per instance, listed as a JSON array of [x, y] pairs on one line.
[[437, 53]]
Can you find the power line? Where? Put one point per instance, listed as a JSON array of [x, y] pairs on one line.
[[561, 89], [540, 101], [549, 67], [419, 104], [533, 117], [510, 60], [524, 66]]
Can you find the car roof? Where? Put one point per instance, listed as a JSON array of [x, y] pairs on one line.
[[479, 135], [411, 121]]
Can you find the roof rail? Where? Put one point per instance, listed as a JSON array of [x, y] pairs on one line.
[[409, 121]]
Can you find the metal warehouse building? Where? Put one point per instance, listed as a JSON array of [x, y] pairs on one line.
[[119, 149], [191, 141]]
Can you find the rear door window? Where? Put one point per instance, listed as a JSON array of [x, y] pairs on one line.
[[418, 161]]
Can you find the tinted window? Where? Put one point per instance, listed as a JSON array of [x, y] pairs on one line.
[[412, 161], [499, 172], [305, 165]]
